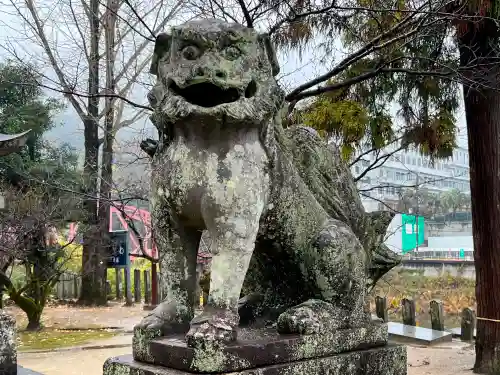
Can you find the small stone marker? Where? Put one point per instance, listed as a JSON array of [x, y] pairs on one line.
[[468, 325], [408, 312], [8, 351], [381, 308], [437, 315]]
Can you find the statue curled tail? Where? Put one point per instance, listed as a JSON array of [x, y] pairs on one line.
[[321, 167]]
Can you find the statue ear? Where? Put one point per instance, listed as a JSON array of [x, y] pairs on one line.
[[270, 52], [162, 46]]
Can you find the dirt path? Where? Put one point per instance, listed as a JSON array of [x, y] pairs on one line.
[[453, 359], [81, 362]]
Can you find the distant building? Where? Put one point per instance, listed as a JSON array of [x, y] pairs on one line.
[[407, 169], [382, 188]]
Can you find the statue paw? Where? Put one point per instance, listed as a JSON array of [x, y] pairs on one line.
[[310, 317], [213, 327], [167, 317]]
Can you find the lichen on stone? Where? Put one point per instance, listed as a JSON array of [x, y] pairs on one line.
[[8, 350], [210, 358], [140, 343]]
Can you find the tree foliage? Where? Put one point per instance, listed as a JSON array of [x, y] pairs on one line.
[[41, 202], [28, 238], [24, 107], [40, 185], [406, 74], [430, 203]]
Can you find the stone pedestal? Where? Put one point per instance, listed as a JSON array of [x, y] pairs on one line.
[[360, 351], [8, 351]]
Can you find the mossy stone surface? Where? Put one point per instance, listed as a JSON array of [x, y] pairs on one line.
[[140, 343], [262, 347], [8, 350], [386, 360]]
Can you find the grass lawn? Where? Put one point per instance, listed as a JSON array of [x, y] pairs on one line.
[[54, 338]]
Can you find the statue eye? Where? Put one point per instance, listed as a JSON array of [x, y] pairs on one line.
[[190, 52], [232, 53]]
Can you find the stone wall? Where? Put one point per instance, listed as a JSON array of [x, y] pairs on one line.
[[8, 352]]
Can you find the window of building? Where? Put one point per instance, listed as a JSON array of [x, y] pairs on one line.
[[419, 162]]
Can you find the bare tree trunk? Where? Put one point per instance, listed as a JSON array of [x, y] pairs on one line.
[[34, 320], [109, 120], [93, 257], [482, 109]]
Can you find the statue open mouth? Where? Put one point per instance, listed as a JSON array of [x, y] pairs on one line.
[[207, 94]]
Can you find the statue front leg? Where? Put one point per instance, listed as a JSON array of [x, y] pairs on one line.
[[233, 238], [178, 248]]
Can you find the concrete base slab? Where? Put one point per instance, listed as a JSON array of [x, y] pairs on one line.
[[386, 360], [417, 335], [25, 371]]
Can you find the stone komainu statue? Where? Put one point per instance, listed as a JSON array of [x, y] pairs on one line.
[[284, 216]]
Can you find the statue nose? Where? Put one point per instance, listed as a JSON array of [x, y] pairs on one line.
[[204, 72]]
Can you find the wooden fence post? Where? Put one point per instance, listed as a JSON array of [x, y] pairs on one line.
[[118, 286], [76, 291], [468, 324], [137, 286], [128, 287], [154, 284], [381, 308], [60, 288], [437, 315], [147, 287], [408, 312], [79, 285]]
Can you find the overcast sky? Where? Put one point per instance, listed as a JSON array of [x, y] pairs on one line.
[[294, 71]]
